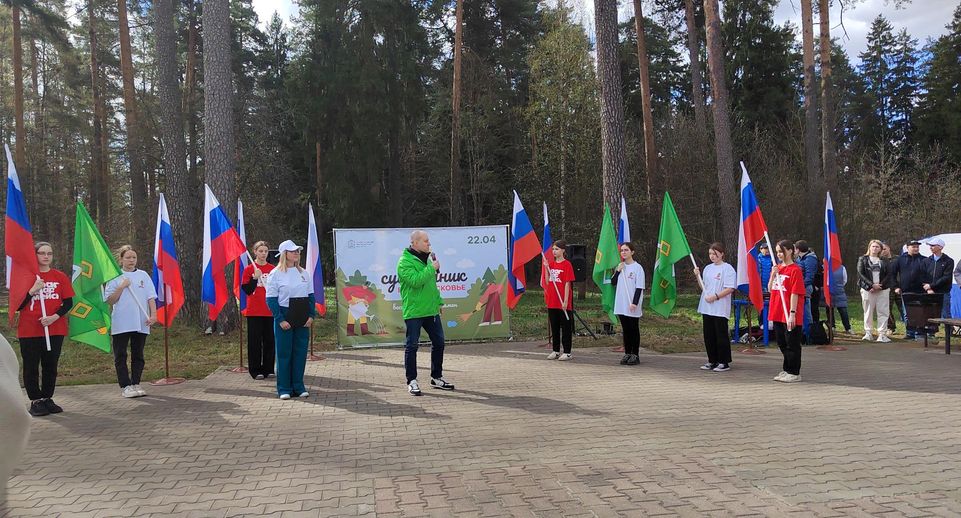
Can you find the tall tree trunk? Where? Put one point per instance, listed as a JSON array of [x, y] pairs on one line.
[[812, 155], [20, 131], [182, 187], [97, 177], [456, 195], [650, 151], [219, 145], [613, 163], [723, 147], [694, 57], [828, 146], [135, 151], [190, 80]]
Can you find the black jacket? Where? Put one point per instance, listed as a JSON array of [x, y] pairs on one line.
[[939, 273], [866, 280], [910, 273]]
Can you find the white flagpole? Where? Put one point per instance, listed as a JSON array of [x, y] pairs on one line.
[[43, 312], [548, 273], [699, 281]]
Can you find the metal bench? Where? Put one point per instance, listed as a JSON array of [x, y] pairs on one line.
[[948, 323]]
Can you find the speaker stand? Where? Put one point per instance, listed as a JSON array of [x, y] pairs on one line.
[[584, 325]]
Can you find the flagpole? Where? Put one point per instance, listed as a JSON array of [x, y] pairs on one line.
[[166, 380], [43, 312], [699, 281], [767, 239]]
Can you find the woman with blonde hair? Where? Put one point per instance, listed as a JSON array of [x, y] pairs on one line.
[[260, 322], [290, 297], [875, 284], [134, 300]]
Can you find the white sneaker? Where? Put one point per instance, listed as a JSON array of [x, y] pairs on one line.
[[441, 383], [780, 376], [868, 337], [791, 378], [140, 391], [565, 357], [129, 391], [884, 339], [553, 356], [305, 394], [285, 397], [414, 388], [259, 377], [708, 366], [209, 330]]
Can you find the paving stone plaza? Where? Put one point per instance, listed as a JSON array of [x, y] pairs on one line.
[[871, 431]]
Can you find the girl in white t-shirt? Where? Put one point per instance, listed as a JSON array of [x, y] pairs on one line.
[[134, 301], [629, 279], [720, 281]]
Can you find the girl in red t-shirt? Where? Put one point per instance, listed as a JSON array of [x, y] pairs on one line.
[[559, 274], [787, 298], [260, 322], [51, 292]]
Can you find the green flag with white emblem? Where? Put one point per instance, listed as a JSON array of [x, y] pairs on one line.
[[671, 247], [93, 266]]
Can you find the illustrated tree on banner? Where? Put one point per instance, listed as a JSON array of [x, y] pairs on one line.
[[93, 266], [524, 247], [605, 261], [222, 245]]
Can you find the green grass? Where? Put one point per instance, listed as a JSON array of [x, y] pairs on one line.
[[194, 356]]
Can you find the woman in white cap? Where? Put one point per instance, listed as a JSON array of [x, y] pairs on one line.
[[290, 297]]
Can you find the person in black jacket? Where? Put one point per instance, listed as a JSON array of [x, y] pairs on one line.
[[940, 269], [875, 282], [909, 274]]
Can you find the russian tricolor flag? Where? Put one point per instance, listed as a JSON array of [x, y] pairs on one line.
[[313, 262], [166, 269], [832, 249], [751, 231], [547, 243], [22, 267], [222, 246], [523, 248], [623, 226], [243, 260]]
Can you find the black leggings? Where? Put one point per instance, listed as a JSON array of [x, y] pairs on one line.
[[561, 328], [716, 340], [790, 344], [260, 346], [632, 334], [35, 355], [137, 342]]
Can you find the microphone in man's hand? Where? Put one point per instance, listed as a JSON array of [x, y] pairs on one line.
[[433, 256]]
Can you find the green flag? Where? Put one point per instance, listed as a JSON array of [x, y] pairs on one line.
[[93, 265], [605, 261], [671, 247]]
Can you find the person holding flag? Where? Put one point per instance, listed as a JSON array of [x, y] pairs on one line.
[[558, 296], [629, 280], [290, 297], [41, 330], [260, 322], [133, 299], [787, 298], [719, 281]]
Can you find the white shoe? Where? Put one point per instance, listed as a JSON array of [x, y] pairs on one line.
[[868, 337], [553, 356], [414, 388], [285, 397], [708, 366], [884, 339], [129, 391], [305, 394], [259, 377], [482, 324], [791, 378], [780, 376], [209, 330], [565, 357], [140, 391]]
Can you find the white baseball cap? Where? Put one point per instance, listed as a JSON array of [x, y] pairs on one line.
[[936, 241], [288, 246]]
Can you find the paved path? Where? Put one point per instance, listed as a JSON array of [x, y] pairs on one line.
[[875, 430]]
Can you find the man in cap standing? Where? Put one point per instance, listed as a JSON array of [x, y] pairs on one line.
[[940, 269], [909, 273]]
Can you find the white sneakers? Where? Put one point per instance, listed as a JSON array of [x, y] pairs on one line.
[[784, 377], [285, 397], [883, 338], [130, 391], [554, 355], [565, 357], [305, 394], [868, 337], [414, 388]]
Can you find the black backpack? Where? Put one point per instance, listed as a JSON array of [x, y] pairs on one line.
[[819, 333]]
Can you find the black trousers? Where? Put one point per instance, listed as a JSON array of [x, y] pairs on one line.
[[137, 342], [562, 329], [717, 342], [35, 356], [790, 344], [632, 334], [260, 346], [845, 318], [816, 305]]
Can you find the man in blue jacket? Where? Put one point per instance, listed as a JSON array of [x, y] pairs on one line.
[[764, 262], [808, 261], [909, 273]]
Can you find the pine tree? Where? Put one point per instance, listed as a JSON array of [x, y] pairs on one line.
[[875, 106], [939, 110]]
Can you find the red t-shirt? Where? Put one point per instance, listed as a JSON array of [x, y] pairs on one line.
[[56, 287], [257, 303], [560, 273], [790, 280]]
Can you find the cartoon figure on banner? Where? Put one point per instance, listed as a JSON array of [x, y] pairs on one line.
[[358, 300], [490, 300]]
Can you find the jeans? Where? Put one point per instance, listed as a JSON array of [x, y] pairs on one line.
[[807, 310], [35, 355], [137, 342], [717, 341], [435, 331], [260, 346], [562, 329], [632, 334]]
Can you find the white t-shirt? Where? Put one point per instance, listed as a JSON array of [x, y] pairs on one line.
[[631, 278], [293, 283], [127, 316], [717, 277]]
